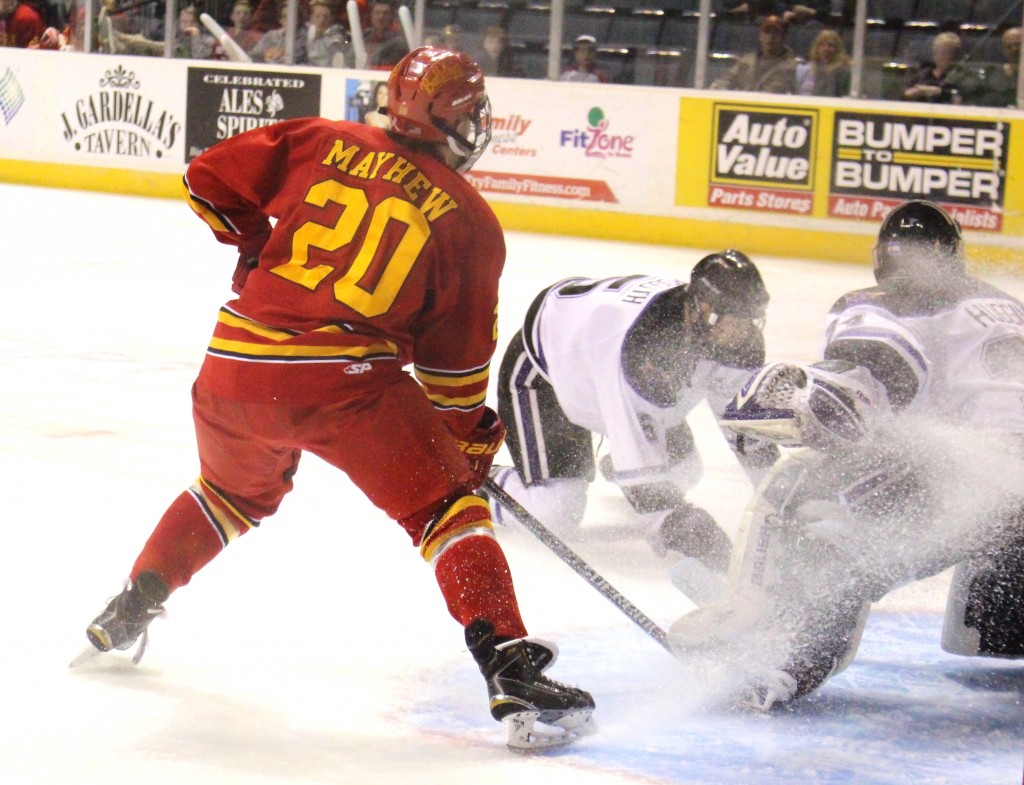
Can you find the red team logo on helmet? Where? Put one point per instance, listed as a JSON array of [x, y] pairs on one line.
[[437, 95]]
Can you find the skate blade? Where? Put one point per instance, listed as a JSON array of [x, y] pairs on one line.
[[87, 655], [526, 734], [92, 651]]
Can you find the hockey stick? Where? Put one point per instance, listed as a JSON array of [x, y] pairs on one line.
[[356, 28], [405, 18], [579, 566], [231, 49]]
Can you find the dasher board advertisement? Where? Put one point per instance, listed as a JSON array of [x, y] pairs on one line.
[[825, 161]]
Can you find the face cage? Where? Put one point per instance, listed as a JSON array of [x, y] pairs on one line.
[[885, 258], [713, 319], [470, 147]]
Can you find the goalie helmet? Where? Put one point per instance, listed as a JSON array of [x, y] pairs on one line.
[[730, 283], [917, 241], [437, 95]]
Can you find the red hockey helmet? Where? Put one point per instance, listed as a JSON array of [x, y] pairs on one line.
[[437, 95]]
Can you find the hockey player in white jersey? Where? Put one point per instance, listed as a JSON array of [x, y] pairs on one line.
[[628, 358], [914, 424]]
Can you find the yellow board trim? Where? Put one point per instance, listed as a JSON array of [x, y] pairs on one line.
[[91, 178]]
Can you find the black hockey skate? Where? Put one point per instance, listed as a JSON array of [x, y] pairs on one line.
[[129, 614], [521, 696]]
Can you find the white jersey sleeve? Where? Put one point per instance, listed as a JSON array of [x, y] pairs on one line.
[[961, 360], [576, 340]]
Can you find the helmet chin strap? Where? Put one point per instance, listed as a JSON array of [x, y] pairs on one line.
[[468, 154], [458, 145]]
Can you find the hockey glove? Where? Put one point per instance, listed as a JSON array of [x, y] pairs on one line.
[[823, 405], [249, 251], [482, 445]]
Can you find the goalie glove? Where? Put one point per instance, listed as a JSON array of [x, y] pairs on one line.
[[482, 444], [821, 406]]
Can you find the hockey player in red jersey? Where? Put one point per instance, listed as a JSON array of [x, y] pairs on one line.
[[381, 256]]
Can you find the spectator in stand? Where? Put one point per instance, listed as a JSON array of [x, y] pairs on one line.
[[327, 43], [191, 40], [583, 67], [49, 11], [827, 70], [241, 30], [21, 25], [943, 79], [385, 42], [999, 87], [271, 48], [118, 31], [451, 38], [769, 69], [377, 114], [495, 57], [50, 39], [266, 15]]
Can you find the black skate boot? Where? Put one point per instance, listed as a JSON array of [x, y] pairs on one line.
[[522, 696], [129, 614]]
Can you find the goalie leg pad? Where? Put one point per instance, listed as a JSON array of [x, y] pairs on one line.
[[789, 619], [701, 585], [985, 608]]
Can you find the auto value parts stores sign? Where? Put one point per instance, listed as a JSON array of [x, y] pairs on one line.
[[763, 158]]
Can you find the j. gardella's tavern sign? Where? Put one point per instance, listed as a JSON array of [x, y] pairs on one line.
[[120, 119]]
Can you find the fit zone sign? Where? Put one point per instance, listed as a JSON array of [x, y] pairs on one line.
[[879, 160], [763, 159]]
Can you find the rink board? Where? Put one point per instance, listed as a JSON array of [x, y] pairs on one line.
[[780, 175]]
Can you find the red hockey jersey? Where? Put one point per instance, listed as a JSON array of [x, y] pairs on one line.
[[374, 254]]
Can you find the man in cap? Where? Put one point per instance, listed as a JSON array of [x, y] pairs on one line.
[[583, 67], [770, 69]]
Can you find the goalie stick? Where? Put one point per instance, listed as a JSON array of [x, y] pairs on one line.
[[578, 565]]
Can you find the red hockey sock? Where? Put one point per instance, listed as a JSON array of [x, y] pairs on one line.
[[476, 583], [182, 543]]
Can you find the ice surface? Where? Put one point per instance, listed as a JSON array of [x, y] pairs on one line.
[[318, 650]]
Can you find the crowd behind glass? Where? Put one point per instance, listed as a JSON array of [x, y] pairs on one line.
[[938, 51]]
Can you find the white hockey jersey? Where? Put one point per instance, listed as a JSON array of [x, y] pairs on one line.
[[576, 339], [958, 356]]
